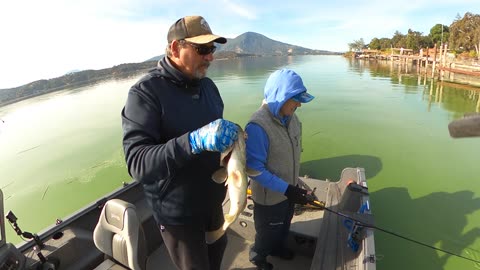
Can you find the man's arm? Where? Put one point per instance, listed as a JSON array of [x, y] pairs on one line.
[[147, 160]]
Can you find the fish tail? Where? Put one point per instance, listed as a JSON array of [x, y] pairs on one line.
[[213, 236], [229, 219]]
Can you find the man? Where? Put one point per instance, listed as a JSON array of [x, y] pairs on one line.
[[172, 136], [273, 149]]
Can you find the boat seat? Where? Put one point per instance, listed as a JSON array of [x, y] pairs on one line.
[[120, 237]]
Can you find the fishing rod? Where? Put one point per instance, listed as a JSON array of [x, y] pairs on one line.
[[321, 206]]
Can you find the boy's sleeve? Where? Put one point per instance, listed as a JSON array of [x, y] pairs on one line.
[[257, 152]]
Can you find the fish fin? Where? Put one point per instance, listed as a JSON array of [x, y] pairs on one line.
[[211, 237], [252, 172], [220, 175]]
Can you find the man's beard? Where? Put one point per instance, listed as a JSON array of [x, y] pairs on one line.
[[201, 73]]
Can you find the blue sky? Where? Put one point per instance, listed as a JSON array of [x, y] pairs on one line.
[[48, 38]]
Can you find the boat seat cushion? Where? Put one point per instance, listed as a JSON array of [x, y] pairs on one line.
[[120, 236]]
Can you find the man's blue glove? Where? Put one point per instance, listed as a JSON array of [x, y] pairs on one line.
[[216, 136]]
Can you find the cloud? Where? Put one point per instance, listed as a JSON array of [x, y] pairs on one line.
[[244, 12]]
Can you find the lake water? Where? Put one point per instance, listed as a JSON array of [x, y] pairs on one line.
[[62, 150]]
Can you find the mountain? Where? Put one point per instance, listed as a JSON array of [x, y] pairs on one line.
[[249, 44], [71, 80], [255, 44], [258, 44], [155, 58]]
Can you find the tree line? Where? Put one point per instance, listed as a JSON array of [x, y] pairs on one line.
[[462, 36]]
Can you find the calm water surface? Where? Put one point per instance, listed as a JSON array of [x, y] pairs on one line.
[[63, 150]]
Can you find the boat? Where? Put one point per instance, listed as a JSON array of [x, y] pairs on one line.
[[328, 234]]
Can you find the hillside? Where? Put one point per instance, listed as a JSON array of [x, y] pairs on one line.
[[254, 44], [71, 80], [248, 44], [257, 44]]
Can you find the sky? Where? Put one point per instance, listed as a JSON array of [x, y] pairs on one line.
[[43, 39]]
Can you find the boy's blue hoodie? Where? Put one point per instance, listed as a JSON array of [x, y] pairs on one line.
[[281, 86]]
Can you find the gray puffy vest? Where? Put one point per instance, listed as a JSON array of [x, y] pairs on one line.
[[283, 160]]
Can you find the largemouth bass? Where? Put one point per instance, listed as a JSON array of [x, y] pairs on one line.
[[234, 173]]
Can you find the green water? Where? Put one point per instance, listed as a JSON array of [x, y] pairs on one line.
[[63, 150]]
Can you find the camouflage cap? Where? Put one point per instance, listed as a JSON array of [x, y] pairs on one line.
[[193, 29]]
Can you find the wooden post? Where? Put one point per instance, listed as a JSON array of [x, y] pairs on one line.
[[426, 64], [418, 60], [434, 60], [391, 54], [440, 73], [444, 55], [445, 49]]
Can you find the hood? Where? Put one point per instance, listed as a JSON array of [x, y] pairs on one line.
[[281, 86]]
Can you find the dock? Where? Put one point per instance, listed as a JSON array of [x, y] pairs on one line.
[[435, 62]]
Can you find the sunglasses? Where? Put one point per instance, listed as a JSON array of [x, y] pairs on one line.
[[203, 49]]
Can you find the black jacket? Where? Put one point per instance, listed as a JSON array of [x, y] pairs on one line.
[[161, 109]]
